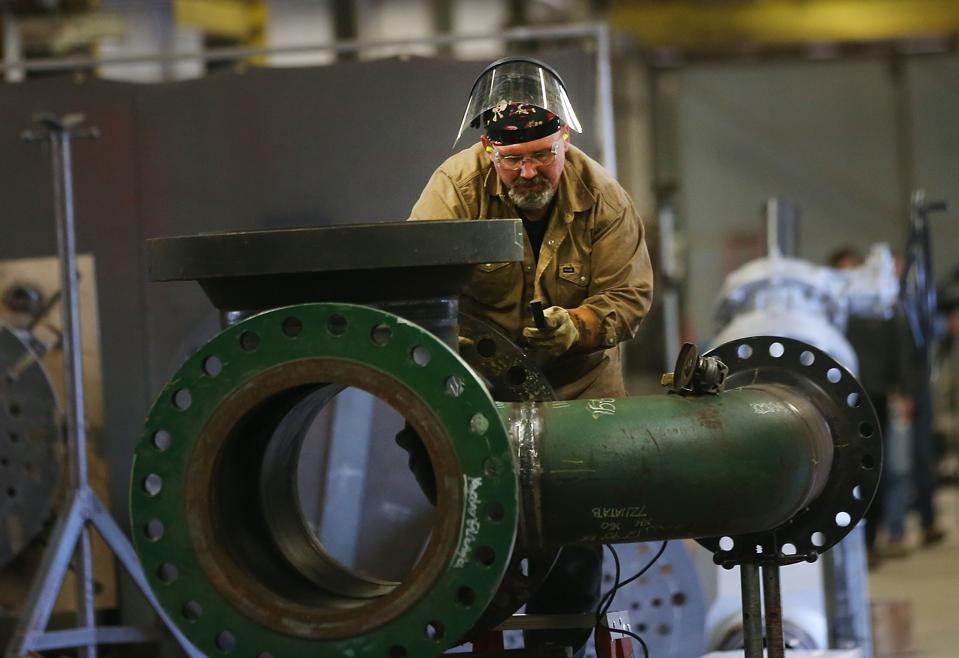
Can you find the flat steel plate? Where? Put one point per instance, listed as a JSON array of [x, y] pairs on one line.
[[357, 263]]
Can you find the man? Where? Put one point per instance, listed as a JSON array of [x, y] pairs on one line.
[[585, 258], [890, 371], [585, 254]]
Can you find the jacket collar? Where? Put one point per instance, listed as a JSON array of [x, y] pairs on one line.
[[573, 195]]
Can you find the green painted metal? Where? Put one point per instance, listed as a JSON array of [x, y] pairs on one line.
[[667, 466], [286, 338]]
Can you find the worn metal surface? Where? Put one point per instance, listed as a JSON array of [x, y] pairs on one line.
[[773, 611], [361, 263], [31, 447], [200, 522], [843, 406], [640, 469], [752, 610], [503, 364]]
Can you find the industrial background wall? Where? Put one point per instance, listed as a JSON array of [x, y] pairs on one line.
[[847, 140], [348, 143]]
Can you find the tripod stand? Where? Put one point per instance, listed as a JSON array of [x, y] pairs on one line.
[[71, 534]]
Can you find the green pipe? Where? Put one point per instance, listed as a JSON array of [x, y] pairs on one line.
[[666, 466]]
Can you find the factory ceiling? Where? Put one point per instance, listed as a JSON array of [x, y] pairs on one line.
[[723, 25]]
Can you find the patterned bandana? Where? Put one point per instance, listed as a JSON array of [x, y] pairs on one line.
[[515, 123]]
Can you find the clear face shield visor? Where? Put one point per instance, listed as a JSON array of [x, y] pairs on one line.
[[518, 81]]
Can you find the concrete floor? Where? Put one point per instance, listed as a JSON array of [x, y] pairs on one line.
[[928, 578]]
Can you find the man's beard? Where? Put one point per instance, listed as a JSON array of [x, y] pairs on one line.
[[532, 199]]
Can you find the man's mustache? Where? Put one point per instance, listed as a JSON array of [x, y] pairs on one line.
[[530, 182]]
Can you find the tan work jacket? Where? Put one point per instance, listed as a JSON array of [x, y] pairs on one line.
[[593, 255]]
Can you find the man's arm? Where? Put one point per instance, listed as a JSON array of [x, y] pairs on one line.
[[621, 284]]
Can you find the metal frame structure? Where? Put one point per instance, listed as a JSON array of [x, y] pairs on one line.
[[597, 31], [71, 535]]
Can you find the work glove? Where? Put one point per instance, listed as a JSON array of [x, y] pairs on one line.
[[557, 336], [419, 461]]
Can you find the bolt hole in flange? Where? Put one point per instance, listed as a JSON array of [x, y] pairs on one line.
[[845, 409], [486, 347], [162, 440], [381, 334], [212, 365], [434, 630], [182, 399], [249, 341], [192, 611], [421, 355], [225, 641], [516, 375], [153, 529], [292, 327], [291, 418]]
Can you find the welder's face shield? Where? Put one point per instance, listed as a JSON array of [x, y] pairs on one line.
[[517, 81]]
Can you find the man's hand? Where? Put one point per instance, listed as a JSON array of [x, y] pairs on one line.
[[558, 335]]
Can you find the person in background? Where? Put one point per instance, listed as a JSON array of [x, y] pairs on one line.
[[921, 355], [888, 373], [876, 342]]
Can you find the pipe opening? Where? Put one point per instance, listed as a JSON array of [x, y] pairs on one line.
[[314, 497], [305, 506]]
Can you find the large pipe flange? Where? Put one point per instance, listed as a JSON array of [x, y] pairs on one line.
[[214, 517], [815, 378]]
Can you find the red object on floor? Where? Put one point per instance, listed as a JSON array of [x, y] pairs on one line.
[[612, 645]]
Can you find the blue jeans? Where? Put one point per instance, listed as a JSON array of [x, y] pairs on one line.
[[897, 472]]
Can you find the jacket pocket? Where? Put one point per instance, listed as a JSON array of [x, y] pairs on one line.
[[491, 284], [488, 268], [571, 285], [574, 272]]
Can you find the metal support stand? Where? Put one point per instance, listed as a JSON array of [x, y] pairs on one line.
[[752, 610], [773, 608], [71, 535], [758, 608]]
